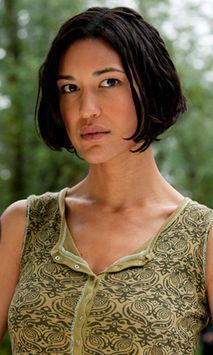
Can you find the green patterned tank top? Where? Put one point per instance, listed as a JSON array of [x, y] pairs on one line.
[[152, 302]]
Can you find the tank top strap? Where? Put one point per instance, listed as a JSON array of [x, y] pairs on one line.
[[43, 223]]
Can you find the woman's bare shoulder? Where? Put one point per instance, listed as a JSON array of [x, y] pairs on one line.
[[16, 207], [13, 221]]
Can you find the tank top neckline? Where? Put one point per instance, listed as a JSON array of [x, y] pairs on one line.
[[66, 235]]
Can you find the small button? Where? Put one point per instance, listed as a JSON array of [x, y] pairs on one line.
[[81, 317], [76, 266], [57, 258], [77, 341]]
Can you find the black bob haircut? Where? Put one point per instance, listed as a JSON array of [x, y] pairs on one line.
[[146, 62]]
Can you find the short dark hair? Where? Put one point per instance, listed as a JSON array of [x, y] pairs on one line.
[[146, 61]]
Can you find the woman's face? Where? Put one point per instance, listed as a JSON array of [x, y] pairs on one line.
[[96, 103]]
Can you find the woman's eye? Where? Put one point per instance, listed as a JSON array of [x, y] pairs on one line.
[[69, 88], [110, 82]]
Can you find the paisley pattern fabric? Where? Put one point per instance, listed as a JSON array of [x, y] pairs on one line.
[[152, 302]]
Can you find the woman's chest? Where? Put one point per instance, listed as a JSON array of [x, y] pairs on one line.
[[101, 239], [138, 304]]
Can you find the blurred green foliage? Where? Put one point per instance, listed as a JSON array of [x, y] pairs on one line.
[[27, 166], [5, 348]]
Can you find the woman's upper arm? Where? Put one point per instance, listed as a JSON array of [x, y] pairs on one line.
[[209, 271], [12, 227]]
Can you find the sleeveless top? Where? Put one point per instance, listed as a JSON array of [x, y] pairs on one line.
[[152, 302]]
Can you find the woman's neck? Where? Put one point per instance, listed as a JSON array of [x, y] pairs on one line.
[[128, 184]]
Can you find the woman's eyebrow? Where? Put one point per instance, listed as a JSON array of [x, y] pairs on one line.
[[65, 77], [95, 73], [107, 70]]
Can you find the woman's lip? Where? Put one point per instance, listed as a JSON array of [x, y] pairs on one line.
[[94, 129], [94, 135]]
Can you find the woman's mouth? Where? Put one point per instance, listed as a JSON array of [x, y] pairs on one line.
[[93, 132]]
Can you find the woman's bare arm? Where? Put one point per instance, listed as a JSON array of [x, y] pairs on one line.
[[12, 226], [209, 271]]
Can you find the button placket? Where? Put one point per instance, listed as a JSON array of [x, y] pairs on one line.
[[83, 309]]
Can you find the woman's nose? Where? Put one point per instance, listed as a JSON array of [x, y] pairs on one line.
[[89, 105]]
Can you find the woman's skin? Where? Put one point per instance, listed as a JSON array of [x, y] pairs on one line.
[[124, 200]]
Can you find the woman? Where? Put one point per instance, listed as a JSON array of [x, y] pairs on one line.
[[116, 264]]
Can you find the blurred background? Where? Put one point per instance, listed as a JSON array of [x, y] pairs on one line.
[[185, 153]]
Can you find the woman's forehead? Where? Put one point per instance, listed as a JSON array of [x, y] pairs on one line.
[[91, 53]]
